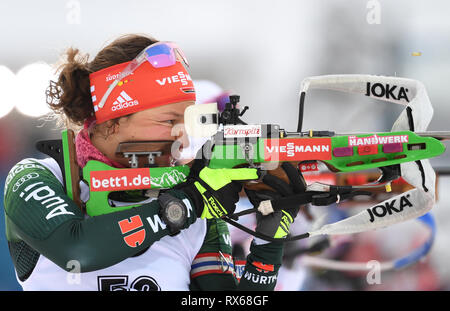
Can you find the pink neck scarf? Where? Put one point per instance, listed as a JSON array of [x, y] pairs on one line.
[[86, 151]]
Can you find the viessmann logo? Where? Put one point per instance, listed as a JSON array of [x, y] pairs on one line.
[[297, 149], [181, 77]]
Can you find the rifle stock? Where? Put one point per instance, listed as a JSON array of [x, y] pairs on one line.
[[71, 168]]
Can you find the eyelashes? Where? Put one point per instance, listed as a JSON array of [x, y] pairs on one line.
[[165, 122], [170, 124]]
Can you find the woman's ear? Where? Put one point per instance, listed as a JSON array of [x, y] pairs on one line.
[[113, 127], [107, 129]]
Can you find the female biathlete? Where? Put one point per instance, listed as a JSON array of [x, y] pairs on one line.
[[54, 245]]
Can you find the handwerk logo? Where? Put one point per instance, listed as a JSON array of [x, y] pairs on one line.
[[375, 140]]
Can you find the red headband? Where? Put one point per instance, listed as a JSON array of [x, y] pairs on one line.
[[147, 87]]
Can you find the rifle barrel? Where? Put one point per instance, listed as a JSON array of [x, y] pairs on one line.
[[440, 135]]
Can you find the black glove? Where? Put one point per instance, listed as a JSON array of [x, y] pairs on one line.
[[277, 223], [335, 195], [215, 192]]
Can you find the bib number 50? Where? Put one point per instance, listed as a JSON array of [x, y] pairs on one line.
[[120, 283]]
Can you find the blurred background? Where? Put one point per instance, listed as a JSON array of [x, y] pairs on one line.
[[261, 50]]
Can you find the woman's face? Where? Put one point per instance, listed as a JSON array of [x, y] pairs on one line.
[[163, 123]]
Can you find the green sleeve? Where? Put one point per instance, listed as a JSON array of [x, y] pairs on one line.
[[217, 273], [38, 213], [261, 268]]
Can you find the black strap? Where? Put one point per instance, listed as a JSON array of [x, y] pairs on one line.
[[293, 201], [315, 198], [419, 164], [263, 236], [300, 112]]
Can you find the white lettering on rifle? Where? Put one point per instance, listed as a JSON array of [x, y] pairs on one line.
[[291, 149], [375, 140]]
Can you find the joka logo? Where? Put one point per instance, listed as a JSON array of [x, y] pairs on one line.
[[123, 101], [127, 225], [380, 90], [389, 208]]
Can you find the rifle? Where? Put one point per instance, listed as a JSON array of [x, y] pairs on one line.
[[402, 152]]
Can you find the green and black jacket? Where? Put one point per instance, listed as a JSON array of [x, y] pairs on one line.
[[47, 223]]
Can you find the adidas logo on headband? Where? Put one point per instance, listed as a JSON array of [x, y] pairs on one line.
[[124, 101]]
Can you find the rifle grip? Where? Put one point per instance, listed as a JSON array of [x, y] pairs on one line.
[[277, 172]]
